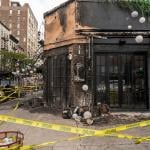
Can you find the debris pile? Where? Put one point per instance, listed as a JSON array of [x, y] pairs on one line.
[[84, 113]]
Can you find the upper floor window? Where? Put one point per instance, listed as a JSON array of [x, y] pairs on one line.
[[10, 25], [24, 39], [10, 12], [18, 12], [0, 3], [18, 32], [14, 5], [18, 25]]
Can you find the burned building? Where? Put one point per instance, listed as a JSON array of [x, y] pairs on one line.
[[99, 44]]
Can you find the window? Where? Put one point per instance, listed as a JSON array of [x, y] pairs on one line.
[[18, 12], [14, 5], [10, 25], [58, 79], [18, 25], [0, 3], [24, 39], [18, 32], [10, 12], [9, 3]]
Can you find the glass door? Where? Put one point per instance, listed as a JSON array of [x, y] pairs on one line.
[[113, 80], [139, 84], [101, 78], [121, 80]]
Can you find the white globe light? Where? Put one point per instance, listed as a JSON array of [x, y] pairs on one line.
[[23, 70], [129, 27], [139, 39], [31, 71], [70, 56], [85, 87], [14, 73], [134, 14], [74, 116], [87, 115], [142, 20]]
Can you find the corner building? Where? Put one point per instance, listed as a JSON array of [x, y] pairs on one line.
[[88, 42]]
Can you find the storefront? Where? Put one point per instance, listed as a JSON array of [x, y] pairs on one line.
[[121, 79], [103, 53]]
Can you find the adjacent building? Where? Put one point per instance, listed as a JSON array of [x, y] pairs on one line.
[[22, 24], [7, 41], [4, 36], [91, 43]]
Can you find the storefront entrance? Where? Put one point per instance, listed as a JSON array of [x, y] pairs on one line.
[[121, 80]]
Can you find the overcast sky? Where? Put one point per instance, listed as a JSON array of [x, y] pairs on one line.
[[41, 6]]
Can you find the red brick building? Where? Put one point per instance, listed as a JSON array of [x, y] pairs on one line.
[[22, 23]]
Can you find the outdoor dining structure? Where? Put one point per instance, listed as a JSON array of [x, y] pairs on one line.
[[97, 52]]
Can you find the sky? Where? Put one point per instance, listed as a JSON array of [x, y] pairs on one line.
[[41, 6]]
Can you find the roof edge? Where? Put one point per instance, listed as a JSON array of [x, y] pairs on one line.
[[57, 7]]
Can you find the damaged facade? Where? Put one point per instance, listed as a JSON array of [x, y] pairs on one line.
[[88, 42]]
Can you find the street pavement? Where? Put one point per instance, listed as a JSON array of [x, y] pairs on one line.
[[35, 135]]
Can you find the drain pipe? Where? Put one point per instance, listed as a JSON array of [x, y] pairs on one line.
[[91, 68], [92, 71]]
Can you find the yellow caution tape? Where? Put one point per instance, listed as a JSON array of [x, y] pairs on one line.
[[138, 140], [29, 147], [52, 143], [70, 129], [6, 97]]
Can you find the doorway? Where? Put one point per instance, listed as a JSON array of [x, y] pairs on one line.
[[121, 80]]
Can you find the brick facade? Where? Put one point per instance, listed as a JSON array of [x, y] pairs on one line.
[[22, 23]]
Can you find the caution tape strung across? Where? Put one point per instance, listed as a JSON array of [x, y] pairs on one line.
[[17, 90], [70, 129], [85, 132], [30, 147], [138, 140], [5, 97]]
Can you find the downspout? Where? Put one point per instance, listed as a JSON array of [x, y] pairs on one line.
[[92, 72], [91, 68]]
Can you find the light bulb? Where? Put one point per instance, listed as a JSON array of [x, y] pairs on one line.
[[134, 14], [23, 70], [139, 39], [87, 115], [85, 87], [70, 56], [31, 71], [142, 20], [129, 27]]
